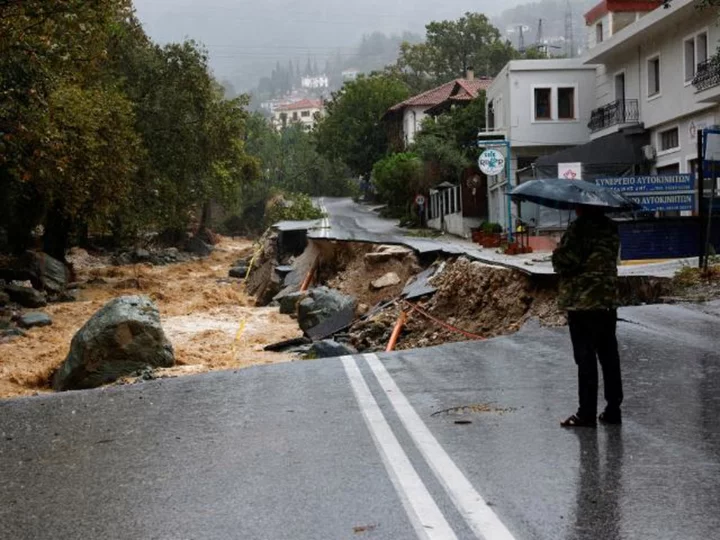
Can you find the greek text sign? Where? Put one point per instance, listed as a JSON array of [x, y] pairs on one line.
[[665, 201], [644, 184], [491, 162]]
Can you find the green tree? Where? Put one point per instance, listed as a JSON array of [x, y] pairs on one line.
[[453, 46], [64, 138], [351, 130]]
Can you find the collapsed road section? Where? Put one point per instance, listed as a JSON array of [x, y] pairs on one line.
[[354, 291]]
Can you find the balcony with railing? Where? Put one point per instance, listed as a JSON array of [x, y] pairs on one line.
[[707, 75], [621, 111]]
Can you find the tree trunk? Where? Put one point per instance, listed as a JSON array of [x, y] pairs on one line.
[[57, 233], [205, 217]]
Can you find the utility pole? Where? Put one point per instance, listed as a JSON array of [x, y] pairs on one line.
[[521, 39], [569, 32], [539, 37]]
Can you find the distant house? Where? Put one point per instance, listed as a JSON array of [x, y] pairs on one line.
[[405, 118], [305, 112], [350, 74], [452, 207]]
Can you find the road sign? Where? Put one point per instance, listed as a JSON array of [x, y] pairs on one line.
[[491, 162], [419, 200]]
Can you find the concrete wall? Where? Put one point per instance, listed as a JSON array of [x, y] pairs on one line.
[[525, 130]]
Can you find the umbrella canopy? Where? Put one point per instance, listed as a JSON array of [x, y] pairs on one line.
[[567, 194]]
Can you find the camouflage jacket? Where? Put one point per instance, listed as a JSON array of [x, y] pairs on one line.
[[586, 261]]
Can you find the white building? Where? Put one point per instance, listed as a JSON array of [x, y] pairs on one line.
[[305, 112], [315, 83], [655, 74], [539, 107]]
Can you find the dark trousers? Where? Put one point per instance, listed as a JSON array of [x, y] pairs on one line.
[[593, 339]]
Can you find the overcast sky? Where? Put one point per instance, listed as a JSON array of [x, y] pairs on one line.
[[247, 33]]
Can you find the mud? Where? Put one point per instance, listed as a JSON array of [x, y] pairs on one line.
[[209, 318]]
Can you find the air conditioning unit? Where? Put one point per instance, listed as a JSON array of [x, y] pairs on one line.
[[649, 152]]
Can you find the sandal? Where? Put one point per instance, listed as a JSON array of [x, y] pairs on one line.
[[610, 418], [576, 421]]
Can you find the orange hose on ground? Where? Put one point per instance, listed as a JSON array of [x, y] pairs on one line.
[[396, 332]]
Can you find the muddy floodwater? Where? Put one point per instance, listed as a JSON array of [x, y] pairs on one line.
[[211, 322]]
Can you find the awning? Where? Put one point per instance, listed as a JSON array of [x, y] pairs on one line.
[[609, 155]]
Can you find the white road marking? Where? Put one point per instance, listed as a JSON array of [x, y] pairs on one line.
[[479, 516], [425, 516]]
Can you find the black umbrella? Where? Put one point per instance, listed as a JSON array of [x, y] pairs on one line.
[[567, 194]]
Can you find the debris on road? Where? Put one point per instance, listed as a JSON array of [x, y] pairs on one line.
[[329, 348], [323, 305]]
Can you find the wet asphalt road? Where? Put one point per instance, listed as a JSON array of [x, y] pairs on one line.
[[330, 450]]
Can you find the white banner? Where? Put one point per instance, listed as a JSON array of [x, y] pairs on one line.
[[570, 171]]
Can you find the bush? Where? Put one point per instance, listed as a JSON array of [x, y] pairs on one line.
[[397, 178], [290, 207]]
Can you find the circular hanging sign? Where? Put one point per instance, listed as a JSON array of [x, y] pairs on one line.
[[491, 162]]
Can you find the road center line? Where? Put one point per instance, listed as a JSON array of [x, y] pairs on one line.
[[425, 516], [479, 516]]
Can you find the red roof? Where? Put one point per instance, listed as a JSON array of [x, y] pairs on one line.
[[460, 89], [618, 6], [302, 104]]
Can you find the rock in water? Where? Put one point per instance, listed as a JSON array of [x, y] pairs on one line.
[[239, 272], [198, 247], [32, 320], [26, 296], [121, 338], [47, 273]]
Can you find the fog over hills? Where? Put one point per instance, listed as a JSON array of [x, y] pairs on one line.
[[246, 38]]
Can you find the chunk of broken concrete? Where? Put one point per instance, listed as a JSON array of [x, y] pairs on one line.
[[329, 348], [239, 272], [387, 253], [121, 338], [34, 319], [289, 302], [323, 304], [388, 280], [26, 296]]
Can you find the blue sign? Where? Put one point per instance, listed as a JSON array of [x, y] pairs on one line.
[[665, 201], [668, 192], [652, 183]]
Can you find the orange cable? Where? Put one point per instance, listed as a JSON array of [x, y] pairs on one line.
[[445, 325]]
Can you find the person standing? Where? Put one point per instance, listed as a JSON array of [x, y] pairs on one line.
[[586, 262]]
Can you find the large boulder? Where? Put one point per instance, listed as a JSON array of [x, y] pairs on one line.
[[46, 273], [121, 338], [323, 304], [26, 296]]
